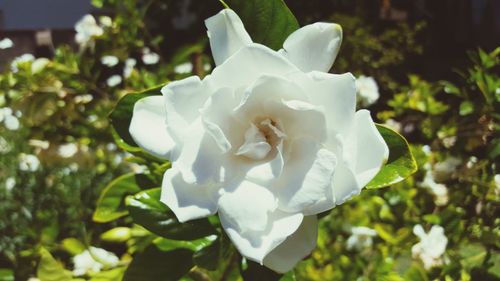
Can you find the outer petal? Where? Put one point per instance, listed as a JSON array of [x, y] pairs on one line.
[[188, 201], [344, 185], [184, 98], [148, 126], [200, 160], [314, 46], [365, 150], [247, 207], [227, 35], [256, 245], [307, 176], [248, 64], [296, 247]]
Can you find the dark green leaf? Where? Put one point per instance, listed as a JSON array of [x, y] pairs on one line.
[[156, 265], [51, 270], [6, 274], [147, 210], [269, 22], [110, 204], [255, 271], [472, 255], [401, 163], [416, 273], [121, 116], [212, 256]]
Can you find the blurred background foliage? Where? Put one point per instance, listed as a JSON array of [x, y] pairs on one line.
[[57, 153]]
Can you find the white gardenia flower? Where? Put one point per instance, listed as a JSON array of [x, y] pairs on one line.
[[93, 260], [439, 190], [10, 182], [367, 90], [443, 170], [109, 61], [114, 80], [129, 67], [184, 68], [268, 139], [67, 150], [361, 237], [6, 43], [431, 247], [86, 29], [28, 162], [14, 65], [149, 57]]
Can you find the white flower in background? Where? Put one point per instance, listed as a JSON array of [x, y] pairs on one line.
[[109, 61], [84, 98], [93, 260], [39, 64], [9, 118], [367, 90], [443, 170], [393, 124], [114, 80], [6, 43], [184, 68], [86, 29], [33, 279], [431, 247], [28, 162], [427, 150], [4, 145], [129, 67], [10, 182], [14, 65], [497, 181], [105, 21], [472, 161], [67, 150], [39, 144], [149, 57], [361, 237], [268, 140], [439, 190], [207, 67]]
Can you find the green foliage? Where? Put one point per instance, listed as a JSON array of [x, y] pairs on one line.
[[269, 22], [51, 270], [400, 164]]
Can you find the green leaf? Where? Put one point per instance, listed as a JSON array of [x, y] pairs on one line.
[[117, 234], [110, 205], [472, 255], [212, 256], [51, 270], [109, 275], [73, 246], [147, 210], [255, 271], [121, 116], [466, 108], [401, 163], [416, 273], [194, 245], [153, 264], [494, 260], [269, 22], [6, 274]]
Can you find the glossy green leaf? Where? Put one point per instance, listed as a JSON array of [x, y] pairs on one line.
[[193, 245], [110, 205], [117, 234], [51, 270], [401, 163], [73, 246], [212, 256], [6, 274], [114, 274], [269, 22], [154, 264], [147, 210], [121, 116]]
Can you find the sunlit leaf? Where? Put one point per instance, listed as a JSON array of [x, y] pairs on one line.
[[401, 163], [51, 270]]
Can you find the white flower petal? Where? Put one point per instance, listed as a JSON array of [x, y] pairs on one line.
[[188, 201], [248, 64], [200, 160], [296, 247], [246, 208], [184, 98], [148, 127], [255, 245], [307, 176], [344, 184], [314, 46], [227, 35], [336, 93], [365, 149]]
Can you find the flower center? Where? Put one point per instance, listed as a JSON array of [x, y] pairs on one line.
[[263, 135]]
